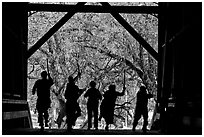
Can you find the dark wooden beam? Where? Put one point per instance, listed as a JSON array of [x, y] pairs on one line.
[[131, 30], [57, 26], [93, 8]]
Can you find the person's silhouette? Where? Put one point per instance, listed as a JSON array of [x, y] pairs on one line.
[[108, 104], [73, 110], [94, 96], [141, 108], [42, 86]]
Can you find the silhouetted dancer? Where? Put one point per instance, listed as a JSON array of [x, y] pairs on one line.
[[141, 108], [94, 96], [73, 110], [42, 86], [108, 105]]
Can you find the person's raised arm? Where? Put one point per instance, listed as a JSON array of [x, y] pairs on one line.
[[48, 73], [123, 92], [124, 88], [79, 73]]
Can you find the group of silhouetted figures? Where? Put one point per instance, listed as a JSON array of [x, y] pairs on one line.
[[73, 111]]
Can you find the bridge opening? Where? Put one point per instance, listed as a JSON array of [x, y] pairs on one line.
[[99, 47]]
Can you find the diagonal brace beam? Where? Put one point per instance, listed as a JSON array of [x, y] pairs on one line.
[[56, 27], [132, 31]]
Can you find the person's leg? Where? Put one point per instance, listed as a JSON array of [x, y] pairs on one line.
[[74, 118], [40, 114], [69, 121], [96, 117], [89, 118], [107, 127], [136, 118], [76, 114], [40, 119], [107, 123], [145, 117], [59, 119], [46, 116], [69, 115], [109, 116]]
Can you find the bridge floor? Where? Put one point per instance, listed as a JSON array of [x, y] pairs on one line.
[[76, 132]]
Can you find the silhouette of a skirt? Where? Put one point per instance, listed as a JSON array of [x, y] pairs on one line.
[[107, 112]]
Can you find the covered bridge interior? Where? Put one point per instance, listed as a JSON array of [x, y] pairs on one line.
[[179, 94]]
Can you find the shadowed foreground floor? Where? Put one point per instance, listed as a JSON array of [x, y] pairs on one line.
[[75, 132]]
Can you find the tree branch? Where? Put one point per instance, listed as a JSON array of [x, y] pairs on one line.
[[44, 52], [107, 63], [127, 62], [32, 69]]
